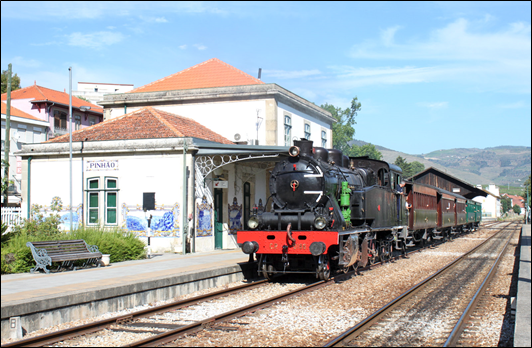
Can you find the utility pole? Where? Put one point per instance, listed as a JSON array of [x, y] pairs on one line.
[[7, 136]]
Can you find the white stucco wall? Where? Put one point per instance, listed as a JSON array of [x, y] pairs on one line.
[[232, 117], [298, 126], [160, 173]]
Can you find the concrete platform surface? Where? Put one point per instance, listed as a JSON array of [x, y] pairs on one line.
[[45, 291], [522, 315]]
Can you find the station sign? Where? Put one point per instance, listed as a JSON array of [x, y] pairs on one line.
[[102, 165]]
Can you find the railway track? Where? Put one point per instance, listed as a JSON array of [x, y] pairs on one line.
[[70, 333], [164, 332], [435, 311]]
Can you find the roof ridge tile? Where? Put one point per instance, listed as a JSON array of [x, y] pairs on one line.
[[165, 122]]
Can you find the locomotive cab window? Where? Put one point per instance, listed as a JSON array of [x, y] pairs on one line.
[[383, 177]]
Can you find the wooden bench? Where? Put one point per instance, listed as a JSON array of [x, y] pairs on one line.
[[65, 251]]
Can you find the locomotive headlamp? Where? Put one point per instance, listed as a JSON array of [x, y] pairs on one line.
[[320, 222], [253, 222], [293, 151]]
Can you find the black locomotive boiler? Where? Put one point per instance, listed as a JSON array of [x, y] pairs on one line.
[[330, 212]]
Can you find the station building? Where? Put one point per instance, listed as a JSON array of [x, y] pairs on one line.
[[203, 180]]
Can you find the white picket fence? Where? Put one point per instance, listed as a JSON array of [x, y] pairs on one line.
[[11, 217]]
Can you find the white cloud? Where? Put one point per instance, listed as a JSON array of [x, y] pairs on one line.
[[456, 41], [437, 105], [161, 20], [387, 35], [94, 40], [282, 74], [28, 63], [183, 47], [200, 47]]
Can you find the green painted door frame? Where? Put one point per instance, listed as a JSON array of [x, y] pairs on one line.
[[218, 218]]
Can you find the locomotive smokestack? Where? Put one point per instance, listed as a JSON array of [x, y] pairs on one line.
[[305, 146]]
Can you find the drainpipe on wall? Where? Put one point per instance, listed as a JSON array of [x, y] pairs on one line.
[[29, 185], [184, 208], [125, 109], [193, 175]]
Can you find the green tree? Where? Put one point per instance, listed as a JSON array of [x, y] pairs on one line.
[[526, 190], [15, 82], [409, 169], [517, 209], [366, 150], [343, 130], [416, 167], [403, 164], [506, 204]]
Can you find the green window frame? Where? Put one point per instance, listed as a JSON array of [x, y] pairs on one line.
[[93, 200], [108, 189], [111, 201]]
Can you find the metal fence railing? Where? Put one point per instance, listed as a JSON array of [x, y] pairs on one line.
[[11, 217]]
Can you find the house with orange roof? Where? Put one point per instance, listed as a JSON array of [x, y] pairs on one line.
[[150, 172], [24, 129], [241, 107], [52, 107], [517, 200]]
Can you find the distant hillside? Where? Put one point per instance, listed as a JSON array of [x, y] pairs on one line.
[[501, 165]]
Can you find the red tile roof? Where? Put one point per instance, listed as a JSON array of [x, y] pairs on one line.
[[211, 73], [146, 123], [516, 200], [36, 92], [16, 112]]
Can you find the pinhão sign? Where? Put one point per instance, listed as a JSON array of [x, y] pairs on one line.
[[102, 165]]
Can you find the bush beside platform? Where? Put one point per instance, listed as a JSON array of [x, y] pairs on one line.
[[17, 257]]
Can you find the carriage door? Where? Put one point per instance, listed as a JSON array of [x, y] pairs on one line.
[[218, 218]]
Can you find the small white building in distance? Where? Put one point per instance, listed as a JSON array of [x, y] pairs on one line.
[[94, 91]]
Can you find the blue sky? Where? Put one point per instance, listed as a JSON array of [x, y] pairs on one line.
[[429, 75]]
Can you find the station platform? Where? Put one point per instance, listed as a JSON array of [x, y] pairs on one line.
[[522, 333], [41, 300]]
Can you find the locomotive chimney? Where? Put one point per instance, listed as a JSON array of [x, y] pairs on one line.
[[305, 146]]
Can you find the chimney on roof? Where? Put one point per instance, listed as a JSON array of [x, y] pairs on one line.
[[260, 70], [35, 82]]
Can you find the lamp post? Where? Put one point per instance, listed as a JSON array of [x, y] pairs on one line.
[[83, 108], [70, 139]]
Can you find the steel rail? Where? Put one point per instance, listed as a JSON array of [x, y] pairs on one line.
[[366, 323], [460, 325], [69, 333], [199, 325]]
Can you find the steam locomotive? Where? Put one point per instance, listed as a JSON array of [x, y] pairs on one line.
[[332, 213]]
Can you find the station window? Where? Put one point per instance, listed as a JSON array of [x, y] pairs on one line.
[[111, 201], [307, 131], [109, 209], [93, 198], [287, 130], [323, 139]]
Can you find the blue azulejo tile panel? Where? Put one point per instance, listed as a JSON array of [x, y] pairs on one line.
[[204, 218], [164, 220], [56, 207]]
